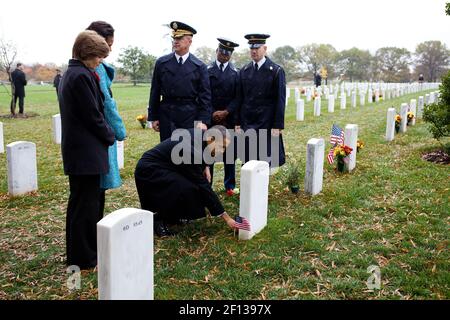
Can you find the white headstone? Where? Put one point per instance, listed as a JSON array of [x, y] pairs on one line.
[[22, 167], [413, 109], [354, 99], [56, 127], [308, 95], [254, 193], [315, 150], [390, 124], [125, 255], [377, 96], [120, 154], [300, 110], [370, 96], [2, 144], [343, 101], [351, 140], [317, 106], [288, 95], [420, 106], [331, 103], [404, 116], [362, 99], [427, 98]]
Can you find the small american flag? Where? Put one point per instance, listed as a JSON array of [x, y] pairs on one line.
[[241, 223], [330, 156], [337, 135]]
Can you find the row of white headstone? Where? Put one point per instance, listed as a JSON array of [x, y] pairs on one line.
[[22, 160], [385, 90], [414, 107], [57, 137], [300, 112], [21, 155]]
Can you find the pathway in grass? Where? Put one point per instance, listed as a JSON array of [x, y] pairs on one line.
[[392, 211]]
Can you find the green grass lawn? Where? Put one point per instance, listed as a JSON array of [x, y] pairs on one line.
[[392, 211]]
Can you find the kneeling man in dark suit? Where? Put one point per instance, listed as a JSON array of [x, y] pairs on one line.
[[173, 178]]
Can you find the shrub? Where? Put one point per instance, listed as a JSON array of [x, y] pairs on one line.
[[438, 114]]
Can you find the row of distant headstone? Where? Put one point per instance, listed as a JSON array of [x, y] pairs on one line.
[[414, 107], [316, 147], [370, 92]]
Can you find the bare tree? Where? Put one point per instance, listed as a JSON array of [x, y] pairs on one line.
[[8, 53]]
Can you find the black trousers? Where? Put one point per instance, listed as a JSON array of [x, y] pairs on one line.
[[85, 209], [21, 104]]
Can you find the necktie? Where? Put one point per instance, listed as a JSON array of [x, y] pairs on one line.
[[256, 67], [221, 67], [180, 61]]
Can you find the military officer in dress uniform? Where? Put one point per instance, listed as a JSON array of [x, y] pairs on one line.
[[224, 80], [180, 93], [263, 94]]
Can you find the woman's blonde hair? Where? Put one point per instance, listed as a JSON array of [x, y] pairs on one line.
[[88, 45]]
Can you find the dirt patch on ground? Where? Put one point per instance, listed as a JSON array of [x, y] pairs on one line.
[[437, 156]]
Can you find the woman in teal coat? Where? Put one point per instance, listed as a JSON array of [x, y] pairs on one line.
[[106, 72]]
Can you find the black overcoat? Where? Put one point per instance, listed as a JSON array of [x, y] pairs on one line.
[[224, 91], [85, 132], [19, 80]]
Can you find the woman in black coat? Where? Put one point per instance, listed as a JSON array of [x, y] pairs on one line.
[[175, 189], [85, 140]]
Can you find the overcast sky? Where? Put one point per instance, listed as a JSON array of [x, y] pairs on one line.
[[44, 30]]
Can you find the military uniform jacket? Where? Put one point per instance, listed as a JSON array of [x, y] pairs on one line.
[[179, 95], [263, 102], [263, 95], [224, 91]]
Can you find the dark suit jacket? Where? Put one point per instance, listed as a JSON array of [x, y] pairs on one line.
[[19, 81], [165, 180], [85, 132]]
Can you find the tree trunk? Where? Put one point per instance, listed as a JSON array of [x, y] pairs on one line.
[[12, 106]]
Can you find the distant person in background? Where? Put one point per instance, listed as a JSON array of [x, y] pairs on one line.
[[86, 137], [19, 82], [421, 78], [317, 80], [106, 73], [57, 80]]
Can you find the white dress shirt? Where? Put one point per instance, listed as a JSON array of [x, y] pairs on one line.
[[182, 57], [260, 63], [224, 65]]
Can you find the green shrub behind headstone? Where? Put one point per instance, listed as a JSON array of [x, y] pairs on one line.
[[438, 114]]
